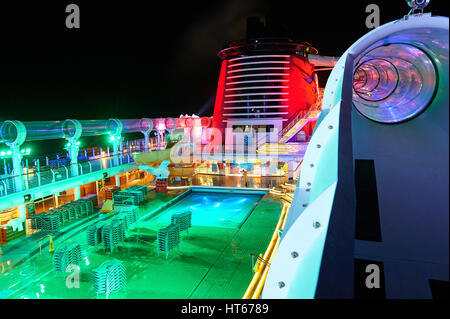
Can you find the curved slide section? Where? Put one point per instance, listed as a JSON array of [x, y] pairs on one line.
[[169, 156], [385, 108]]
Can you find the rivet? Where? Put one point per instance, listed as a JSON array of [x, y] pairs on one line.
[[304, 205], [308, 189], [281, 284], [318, 146], [308, 184], [312, 165], [294, 254], [316, 224], [330, 127]]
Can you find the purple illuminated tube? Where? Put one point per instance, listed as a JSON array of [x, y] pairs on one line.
[[393, 83], [144, 125], [10, 131]]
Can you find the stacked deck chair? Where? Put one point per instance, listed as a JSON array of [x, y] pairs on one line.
[[67, 255], [168, 238], [131, 213], [89, 205], [113, 234], [183, 220], [69, 211], [110, 276], [48, 221], [76, 210], [94, 233]]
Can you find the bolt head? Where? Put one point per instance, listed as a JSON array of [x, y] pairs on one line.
[[294, 254], [281, 284], [316, 224]]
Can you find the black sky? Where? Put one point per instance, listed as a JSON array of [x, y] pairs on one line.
[[132, 60]]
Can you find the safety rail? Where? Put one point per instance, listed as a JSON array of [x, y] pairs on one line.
[[316, 107], [300, 116], [33, 179], [50, 243], [259, 278]]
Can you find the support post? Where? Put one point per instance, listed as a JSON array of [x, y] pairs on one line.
[[73, 154], [76, 191], [22, 212], [116, 151], [146, 141], [17, 167]]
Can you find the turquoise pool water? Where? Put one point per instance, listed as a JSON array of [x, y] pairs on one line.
[[228, 210]]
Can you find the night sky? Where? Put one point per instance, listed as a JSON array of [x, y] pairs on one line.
[[130, 60]]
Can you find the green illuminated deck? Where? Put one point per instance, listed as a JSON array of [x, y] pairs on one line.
[[212, 262]]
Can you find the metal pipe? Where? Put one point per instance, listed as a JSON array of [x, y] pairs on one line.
[[17, 132]]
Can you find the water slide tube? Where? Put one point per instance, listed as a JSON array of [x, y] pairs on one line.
[[157, 162], [386, 101]]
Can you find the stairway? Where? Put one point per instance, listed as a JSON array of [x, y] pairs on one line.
[[297, 124]]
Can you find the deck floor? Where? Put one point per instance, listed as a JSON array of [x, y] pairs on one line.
[[212, 262]]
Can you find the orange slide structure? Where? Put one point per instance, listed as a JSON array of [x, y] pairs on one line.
[[154, 159]]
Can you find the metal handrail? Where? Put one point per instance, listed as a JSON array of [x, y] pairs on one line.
[[34, 179], [40, 245], [304, 114]]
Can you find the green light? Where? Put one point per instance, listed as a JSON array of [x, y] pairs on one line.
[[28, 151], [68, 144], [78, 143], [8, 153], [3, 153], [22, 151], [118, 137], [112, 138]]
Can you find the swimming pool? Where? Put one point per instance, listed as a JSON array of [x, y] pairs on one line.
[[217, 209]]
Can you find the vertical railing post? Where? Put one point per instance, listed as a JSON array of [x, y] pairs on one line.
[[5, 188], [67, 171]]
